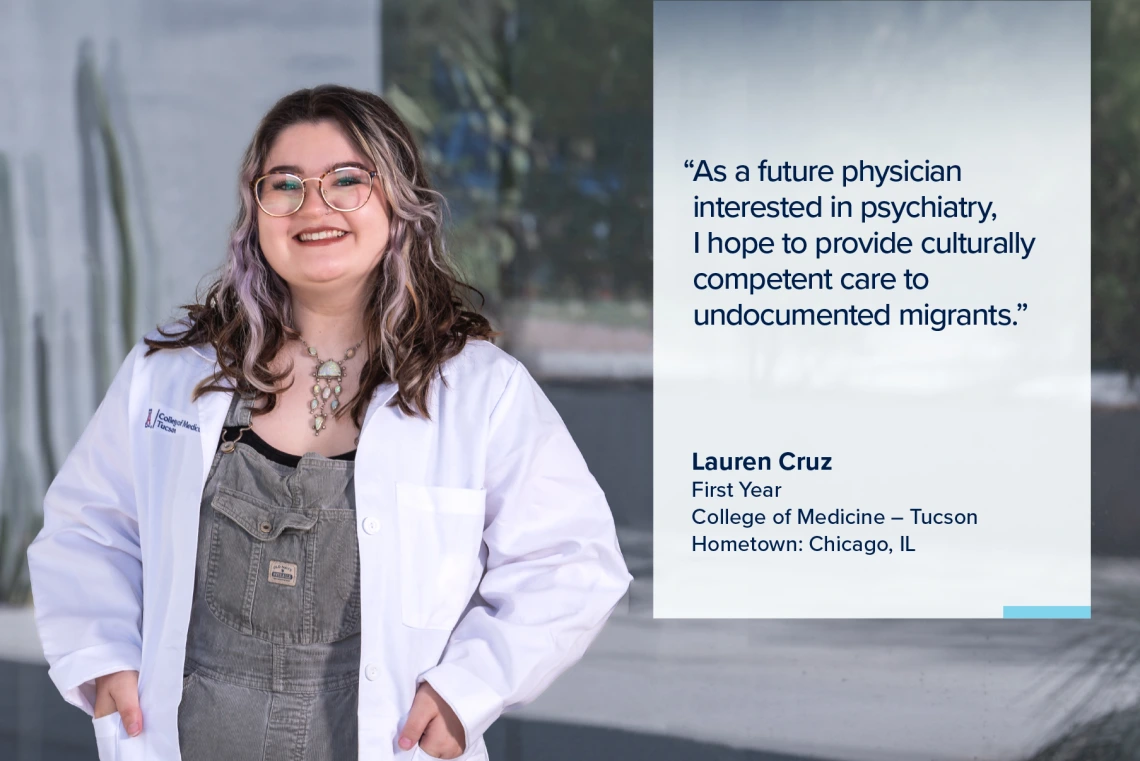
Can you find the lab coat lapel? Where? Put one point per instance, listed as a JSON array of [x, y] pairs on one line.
[[212, 409], [393, 447]]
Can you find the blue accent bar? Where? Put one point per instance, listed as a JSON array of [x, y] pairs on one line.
[[1047, 611]]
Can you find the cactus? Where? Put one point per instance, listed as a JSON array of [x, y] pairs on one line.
[[120, 118], [98, 139], [18, 504], [45, 305], [120, 208], [87, 109], [42, 369], [72, 412]]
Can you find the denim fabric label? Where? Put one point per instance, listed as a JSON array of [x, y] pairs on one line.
[[282, 573]]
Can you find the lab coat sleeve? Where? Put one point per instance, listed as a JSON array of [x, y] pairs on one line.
[[554, 570], [85, 564]]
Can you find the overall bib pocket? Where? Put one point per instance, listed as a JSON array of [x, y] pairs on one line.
[[266, 565], [441, 531]]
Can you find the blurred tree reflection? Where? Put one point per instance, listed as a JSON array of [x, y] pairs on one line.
[[1116, 183], [535, 118]]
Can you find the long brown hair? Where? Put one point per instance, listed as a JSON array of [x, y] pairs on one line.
[[415, 319]]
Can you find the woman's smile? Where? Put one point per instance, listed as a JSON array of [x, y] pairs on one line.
[[320, 236]]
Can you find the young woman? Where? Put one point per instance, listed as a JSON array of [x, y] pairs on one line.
[[322, 516]]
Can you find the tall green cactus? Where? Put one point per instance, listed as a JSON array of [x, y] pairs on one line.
[[98, 140], [37, 206], [99, 147], [18, 502], [120, 209], [87, 110], [147, 250]]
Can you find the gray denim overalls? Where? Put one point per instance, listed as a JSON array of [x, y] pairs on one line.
[[273, 650]]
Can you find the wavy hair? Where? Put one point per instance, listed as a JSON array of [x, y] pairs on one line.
[[415, 318]]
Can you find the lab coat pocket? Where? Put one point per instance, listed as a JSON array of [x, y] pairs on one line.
[[108, 731], [441, 530], [477, 752]]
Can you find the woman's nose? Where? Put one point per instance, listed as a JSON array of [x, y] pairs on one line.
[[313, 202]]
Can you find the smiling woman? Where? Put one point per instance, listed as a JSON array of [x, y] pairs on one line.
[[267, 572]]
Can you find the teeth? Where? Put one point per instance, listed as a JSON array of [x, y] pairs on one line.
[[321, 235]]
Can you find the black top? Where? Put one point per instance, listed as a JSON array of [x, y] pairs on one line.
[[229, 433]]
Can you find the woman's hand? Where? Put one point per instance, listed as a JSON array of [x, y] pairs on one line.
[[120, 692], [432, 724]]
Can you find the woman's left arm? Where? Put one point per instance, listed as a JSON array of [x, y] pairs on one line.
[[554, 570], [86, 562]]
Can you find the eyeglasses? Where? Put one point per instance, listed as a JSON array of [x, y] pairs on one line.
[[280, 194]]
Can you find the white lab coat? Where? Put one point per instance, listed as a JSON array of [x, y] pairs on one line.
[[488, 556]]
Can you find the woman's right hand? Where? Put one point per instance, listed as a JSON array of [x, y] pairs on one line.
[[119, 692]]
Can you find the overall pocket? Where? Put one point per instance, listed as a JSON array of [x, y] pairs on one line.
[[262, 575], [107, 731], [441, 531]]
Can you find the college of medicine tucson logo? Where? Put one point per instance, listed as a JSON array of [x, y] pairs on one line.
[[164, 422]]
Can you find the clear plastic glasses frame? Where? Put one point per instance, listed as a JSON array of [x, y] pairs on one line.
[[320, 183]]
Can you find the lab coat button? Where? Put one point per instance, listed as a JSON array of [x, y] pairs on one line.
[[371, 671], [371, 525]]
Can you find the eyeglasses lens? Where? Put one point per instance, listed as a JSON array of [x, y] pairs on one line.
[[345, 190]]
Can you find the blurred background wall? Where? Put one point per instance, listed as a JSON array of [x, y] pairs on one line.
[[121, 127]]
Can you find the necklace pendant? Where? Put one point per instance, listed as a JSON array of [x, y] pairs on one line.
[[330, 373], [330, 369]]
